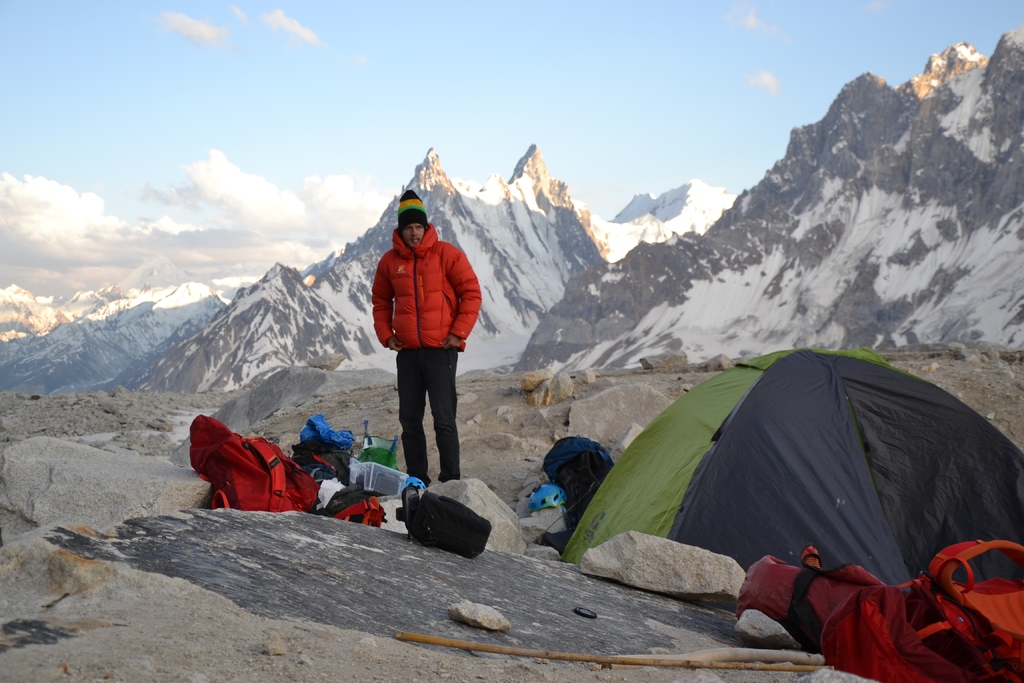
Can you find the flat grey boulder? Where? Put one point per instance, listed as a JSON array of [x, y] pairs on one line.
[[757, 629], [480, 616], [382, 583], [664, 566], [505, 534], [51, 481], [286, 388], [606, 416]]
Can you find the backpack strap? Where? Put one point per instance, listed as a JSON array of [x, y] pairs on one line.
[[948, 560], [801, 615], [273, 465], [220, 500]]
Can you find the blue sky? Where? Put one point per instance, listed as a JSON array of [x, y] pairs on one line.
[[228, 136]]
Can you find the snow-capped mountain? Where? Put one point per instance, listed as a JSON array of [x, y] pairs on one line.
[[115, 340], [694, 207], [23, 314], [897, 218], [276, 322], [524, 238]]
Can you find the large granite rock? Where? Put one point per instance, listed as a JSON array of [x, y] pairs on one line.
[[608, 415], [48, 481], [505, 534], [664, 566], [286, 388]]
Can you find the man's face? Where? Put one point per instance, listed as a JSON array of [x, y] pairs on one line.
[[412, 234]]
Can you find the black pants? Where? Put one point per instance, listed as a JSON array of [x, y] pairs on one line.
[[423, 372]]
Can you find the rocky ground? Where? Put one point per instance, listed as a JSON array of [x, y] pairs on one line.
[[503, 440]]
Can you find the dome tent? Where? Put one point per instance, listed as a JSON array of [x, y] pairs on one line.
[[870, 464]]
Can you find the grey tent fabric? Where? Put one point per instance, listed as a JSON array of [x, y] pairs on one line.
[[943, 473], [791, 440], [871, 465]]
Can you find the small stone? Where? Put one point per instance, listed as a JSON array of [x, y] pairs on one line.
[[757, 629], [480, 616], [990, 416], [543, 552], [588, 376], [718, 363], [668, 361], [973, 360], [502, 410], [561, 387], [541, 396], [468, 398], [276, 646], [529, 381], [685, 387]]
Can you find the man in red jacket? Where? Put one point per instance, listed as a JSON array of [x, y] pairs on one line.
[[426, 299]]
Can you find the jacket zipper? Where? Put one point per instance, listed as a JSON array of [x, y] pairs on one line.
[[416, 296]]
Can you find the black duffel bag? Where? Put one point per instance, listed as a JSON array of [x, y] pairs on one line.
[[447, 524]]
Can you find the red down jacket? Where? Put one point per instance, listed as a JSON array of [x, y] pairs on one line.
[[423, 294]]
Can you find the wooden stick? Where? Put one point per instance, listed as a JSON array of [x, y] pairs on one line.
[[636, 660]]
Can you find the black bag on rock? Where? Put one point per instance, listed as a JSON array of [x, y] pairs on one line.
[[442, 522]]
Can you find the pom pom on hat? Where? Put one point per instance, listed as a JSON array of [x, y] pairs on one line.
[[411, 210]]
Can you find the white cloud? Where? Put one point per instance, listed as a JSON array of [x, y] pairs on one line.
[[360, 61], [57, 241], [345, 207], [277, 20], [199, 33], [764, 79], [54, 216], [240, 15], [248, 201], [744, 14]]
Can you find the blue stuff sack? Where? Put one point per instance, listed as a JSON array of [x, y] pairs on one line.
[[318, 428]]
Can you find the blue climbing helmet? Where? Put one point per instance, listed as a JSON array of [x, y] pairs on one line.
[[414, 481], [547, 496]]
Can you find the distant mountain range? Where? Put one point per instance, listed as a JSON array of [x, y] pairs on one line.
[[897, 218]]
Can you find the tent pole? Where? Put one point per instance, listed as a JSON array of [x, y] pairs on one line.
[[635, 660]]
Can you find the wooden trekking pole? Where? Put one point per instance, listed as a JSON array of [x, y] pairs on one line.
[[634, 660]]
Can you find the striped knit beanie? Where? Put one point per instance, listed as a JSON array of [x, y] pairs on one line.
[[410, 210]]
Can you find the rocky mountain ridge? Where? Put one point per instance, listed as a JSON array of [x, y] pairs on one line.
[[892, 220], [524, 237]]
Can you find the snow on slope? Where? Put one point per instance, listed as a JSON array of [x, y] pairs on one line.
[[116, 337], [693, 207], [898, 218]]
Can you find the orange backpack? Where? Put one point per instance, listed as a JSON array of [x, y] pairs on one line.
[[986, 616]]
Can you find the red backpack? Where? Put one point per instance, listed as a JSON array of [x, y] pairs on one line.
[[248, 474]]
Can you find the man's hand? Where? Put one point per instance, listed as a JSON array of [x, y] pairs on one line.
[[452, 342], [394, 344]]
